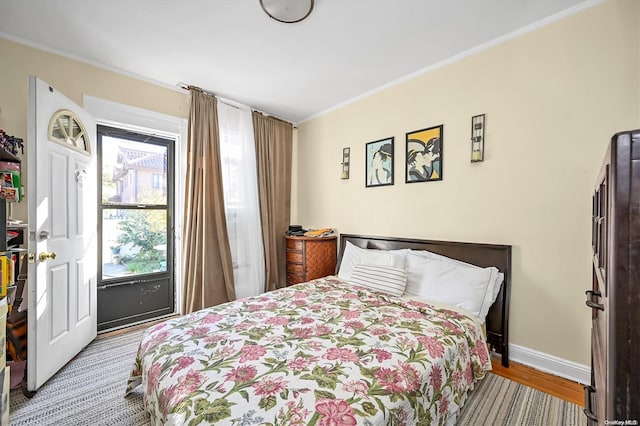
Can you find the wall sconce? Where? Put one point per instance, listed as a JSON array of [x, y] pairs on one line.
[[477, 138], [346, 153]]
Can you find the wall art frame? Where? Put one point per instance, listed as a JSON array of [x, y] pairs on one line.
[[379, 162], [423, 149]]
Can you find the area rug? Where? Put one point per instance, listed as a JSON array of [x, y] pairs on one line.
[[89, 391], [499, 401]]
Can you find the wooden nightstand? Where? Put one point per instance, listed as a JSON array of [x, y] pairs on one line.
[[309, 258]]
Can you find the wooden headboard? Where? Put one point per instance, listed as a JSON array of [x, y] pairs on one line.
[[483, 255]]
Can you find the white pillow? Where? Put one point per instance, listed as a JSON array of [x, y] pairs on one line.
[[497, 277], [354, 255], [452, 283], [384, 279], [431, 255], [497, 285]]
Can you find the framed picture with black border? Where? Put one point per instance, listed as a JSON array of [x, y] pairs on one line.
[[379, 162], [424, 155]]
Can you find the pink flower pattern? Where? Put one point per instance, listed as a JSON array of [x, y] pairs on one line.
[[412, 315], [436, 378], [434, 346], [198, 331], [252, 353], [335, 412], [183, 362], [269, 386], [358, 387], [390, 379], [410, 376], [301, 363], [277, 321], [381, 354], [185, 386], [294, 339], [155, 340], [153, 376], [211, 318], [322, 330], [293, 414], [349, 314], [483, 355], [379, 331], [356, 325], [242, 374], [303, 332], [343, 354]]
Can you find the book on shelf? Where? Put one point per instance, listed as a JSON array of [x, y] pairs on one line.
[[10, 186], [6, 273]]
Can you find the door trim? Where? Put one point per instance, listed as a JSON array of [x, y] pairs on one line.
[[109, 113]]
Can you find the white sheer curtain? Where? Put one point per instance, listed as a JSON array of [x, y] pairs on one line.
[[240, 187]]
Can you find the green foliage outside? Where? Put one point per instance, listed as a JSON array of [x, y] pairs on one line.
[[144, 230]]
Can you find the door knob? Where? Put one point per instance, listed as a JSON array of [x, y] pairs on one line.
[[44, 256]]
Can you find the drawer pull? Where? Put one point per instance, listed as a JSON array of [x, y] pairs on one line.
[[588, 390], [590, 303]]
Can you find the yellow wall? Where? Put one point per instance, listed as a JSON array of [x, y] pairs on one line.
[[73, 79], [553, 98]]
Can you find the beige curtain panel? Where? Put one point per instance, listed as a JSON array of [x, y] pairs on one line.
[[207, 266], [274, 139]]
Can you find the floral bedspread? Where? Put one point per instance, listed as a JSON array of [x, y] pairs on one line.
[[320, 353]]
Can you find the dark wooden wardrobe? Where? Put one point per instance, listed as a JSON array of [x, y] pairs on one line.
[[614, 393]]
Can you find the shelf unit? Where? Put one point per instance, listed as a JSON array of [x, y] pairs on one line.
[[8, 157], [5, 156]]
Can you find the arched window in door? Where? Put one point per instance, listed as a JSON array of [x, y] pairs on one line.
[[66, 129]]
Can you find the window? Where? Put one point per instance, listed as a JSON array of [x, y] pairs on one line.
[[240, 187], [66, 129], [134, 204]]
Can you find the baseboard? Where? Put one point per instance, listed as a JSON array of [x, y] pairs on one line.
[[550, 364]]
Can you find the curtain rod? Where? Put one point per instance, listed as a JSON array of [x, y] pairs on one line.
[[207, 92], [196, 88]]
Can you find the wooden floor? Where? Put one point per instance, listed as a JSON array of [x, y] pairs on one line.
[[548, 383], [133, 327]]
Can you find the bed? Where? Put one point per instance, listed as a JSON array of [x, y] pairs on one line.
[[332, 351]]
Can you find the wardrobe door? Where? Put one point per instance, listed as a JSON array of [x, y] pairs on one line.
[[597, 298]]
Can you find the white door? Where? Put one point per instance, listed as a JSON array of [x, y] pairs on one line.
[[62, 231]]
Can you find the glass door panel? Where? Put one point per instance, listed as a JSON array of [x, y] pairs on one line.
[[134, 242], [136, 190], [133, 172]]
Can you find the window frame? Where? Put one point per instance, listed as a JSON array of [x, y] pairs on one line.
[[174, 126], [169, 206]]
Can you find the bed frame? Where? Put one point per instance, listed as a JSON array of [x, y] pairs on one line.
[[483, 255]]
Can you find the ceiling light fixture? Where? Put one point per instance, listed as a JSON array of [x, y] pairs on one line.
[[287, 11]]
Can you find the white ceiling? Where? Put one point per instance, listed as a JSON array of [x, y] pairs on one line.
[[344, 50]]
